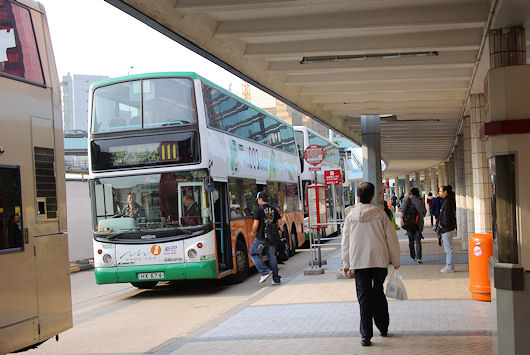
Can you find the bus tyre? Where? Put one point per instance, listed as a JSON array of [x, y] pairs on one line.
[[241, 263], [294, 243], [145, 284], [284, 249]]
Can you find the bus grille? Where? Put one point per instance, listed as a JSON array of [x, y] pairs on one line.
[[45, 179]]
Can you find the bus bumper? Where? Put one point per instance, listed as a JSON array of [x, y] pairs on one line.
[[180, 271]]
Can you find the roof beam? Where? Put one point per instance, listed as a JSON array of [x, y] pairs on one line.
[[428, 104], [226, 5], [432, 112], [385, 86], [466, 39], [390, 96], [471, 14], [384, 75]]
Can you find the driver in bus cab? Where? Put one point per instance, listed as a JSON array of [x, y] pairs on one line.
[[132, 209], [190, 215]]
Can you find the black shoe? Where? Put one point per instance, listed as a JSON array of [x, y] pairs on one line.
[[440, 241], [384, 333], [366, 342]]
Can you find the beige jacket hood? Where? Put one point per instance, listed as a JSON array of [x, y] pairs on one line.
[[369, 239]]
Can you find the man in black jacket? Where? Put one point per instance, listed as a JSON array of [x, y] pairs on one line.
[[447, 225]]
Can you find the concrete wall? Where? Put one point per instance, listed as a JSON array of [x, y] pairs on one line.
[[78, 220]]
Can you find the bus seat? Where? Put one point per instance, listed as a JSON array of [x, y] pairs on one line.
[[121, 120], [136, 122]]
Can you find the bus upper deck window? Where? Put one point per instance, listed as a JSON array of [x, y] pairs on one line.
[[18, 50]]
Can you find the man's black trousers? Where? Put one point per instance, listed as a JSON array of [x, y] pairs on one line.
[[372, 300]]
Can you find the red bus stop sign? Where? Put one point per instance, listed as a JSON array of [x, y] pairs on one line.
[[332, 177], [314, 154]]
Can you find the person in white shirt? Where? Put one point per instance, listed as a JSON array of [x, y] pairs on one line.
[[369, 243]]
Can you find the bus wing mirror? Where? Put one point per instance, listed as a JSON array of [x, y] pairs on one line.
[[208, 184]]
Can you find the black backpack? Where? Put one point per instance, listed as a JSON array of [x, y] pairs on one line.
[[410, 217], [272, 234]]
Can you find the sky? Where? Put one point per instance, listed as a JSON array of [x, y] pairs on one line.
[[92, 37]]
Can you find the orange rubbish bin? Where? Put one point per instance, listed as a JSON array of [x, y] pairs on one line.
[[480, 250]]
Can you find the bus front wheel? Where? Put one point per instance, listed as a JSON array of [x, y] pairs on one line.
[[145, 284], [241, 263]]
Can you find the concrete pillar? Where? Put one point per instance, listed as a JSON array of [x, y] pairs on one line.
[[434, 181], [417, 181], [355, 185], [396, 186], [460, 190], [427, 182], [441, 175], [481, 187], [507, 126], [468, 178], [370, 125], [507, 47], [407, 184]]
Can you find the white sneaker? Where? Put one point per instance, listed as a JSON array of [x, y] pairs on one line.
[[265, 277], [446, 270]]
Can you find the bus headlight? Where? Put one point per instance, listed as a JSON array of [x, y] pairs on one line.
[[107, 258], [192, 253]]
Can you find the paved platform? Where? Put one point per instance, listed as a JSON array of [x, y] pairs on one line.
[[318, 314]]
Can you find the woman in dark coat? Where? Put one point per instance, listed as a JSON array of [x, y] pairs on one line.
[[447, 224]]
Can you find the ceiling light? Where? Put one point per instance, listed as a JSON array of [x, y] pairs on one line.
[[351, 58], [386, 118]]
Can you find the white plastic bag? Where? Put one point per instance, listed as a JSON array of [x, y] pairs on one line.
[[395, 287]]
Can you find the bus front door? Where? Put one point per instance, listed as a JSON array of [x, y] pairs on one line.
[[222, 227]]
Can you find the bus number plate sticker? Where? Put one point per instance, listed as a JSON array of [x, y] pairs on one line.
[[150, 275]]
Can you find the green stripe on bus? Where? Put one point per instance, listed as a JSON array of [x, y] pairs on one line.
[[181, 271]]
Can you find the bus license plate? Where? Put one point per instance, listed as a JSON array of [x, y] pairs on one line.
[[150, 275]]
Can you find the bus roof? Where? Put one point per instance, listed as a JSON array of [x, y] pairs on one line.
[[304, 128], [190, 75]]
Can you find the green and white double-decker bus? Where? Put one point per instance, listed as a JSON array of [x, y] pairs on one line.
[[332, 161], [175, 165]]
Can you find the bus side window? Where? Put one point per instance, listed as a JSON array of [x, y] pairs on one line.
[[242, 193], [11, 236]]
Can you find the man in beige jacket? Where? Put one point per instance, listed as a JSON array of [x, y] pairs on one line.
[[369, 243]]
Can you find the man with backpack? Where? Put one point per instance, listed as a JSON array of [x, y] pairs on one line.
[[412, 213], [266, 234]]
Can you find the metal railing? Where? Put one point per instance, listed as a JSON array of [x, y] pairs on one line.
[[315, 241]]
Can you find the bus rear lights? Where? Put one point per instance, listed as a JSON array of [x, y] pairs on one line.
[[107, 258], [199, 245], [100, 251], [192, 253]]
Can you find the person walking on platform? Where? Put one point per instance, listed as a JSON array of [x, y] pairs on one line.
[[369, 242], [264, 213], [436, 205], [447, 225], [412, 213]]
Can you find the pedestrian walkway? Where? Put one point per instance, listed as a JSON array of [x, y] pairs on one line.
[[318, 314]]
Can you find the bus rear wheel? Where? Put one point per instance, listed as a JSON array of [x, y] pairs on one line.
[[294, 243], [145, 284]]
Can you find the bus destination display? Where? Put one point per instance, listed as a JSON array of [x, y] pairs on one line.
[[128, 152], [144, 154]]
